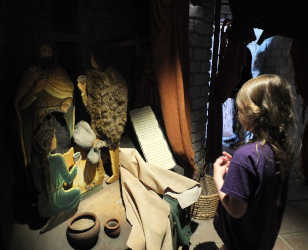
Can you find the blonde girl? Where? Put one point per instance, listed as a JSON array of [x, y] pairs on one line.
[[252, 185]]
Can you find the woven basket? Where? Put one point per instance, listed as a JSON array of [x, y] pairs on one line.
[[205, 207]]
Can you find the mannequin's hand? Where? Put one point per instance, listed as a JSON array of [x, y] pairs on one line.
[[65, 107], [40, 85], [82, 83]]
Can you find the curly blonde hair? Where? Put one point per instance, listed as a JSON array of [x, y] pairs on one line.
[[266, 108]]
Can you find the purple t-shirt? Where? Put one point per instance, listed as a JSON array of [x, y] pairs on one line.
[[252, 178]]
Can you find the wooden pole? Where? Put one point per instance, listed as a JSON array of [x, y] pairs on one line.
[[213, 82]]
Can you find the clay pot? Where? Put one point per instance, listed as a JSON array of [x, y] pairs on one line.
[[112, 227], [85, 237]]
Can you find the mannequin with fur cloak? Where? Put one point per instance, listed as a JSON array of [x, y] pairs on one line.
[[104, 93]]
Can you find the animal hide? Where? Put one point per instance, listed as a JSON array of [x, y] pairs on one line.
[[107, 104]]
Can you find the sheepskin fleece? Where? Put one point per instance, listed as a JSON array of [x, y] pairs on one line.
[[83, 135], [107, 104]]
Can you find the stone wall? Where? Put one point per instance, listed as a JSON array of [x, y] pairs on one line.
[[200, 33]]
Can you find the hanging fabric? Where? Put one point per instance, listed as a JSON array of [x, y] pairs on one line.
[[230, 67], [169, 24]]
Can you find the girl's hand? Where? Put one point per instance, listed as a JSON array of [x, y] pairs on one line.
[[227, 157], [220, 167]]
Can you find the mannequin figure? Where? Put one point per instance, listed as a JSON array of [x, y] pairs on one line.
[[44, 98], [49, 173], [104, 93]]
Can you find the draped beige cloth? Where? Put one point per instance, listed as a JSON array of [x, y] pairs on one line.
[[143, 185]]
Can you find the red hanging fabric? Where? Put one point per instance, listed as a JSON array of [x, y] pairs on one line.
[[169, 24]]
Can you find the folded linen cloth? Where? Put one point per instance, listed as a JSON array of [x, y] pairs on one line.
[[143, 186]]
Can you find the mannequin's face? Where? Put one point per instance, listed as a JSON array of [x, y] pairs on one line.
[[46, 51], [54, 143]]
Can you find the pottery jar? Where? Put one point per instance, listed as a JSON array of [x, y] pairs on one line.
[[112, 227], [84, 237]]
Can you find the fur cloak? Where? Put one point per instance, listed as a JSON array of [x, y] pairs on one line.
[[107, 104]]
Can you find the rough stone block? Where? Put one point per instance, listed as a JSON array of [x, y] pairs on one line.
[[205, 66], [286, 52], [191, 52], [193, 137], [282, 61], [193, 126], [199, 157], [196, 12], [194, 115], [198, 114], [200, 134], [198, 102], [269, 61], [197, 125], [195, 91], [201, 79], [203, 112], [204, 90], [197, 40], [208, 42], [209, 4], [191, 25], [285, 70], [202, 54], [195, 66], [203, 28], [198, 145], [286, 43], [276, 53], [209, 15]]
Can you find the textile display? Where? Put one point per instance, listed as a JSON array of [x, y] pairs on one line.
[[143, 186]]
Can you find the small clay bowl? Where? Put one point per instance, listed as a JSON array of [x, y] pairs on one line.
[[113, 227]]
